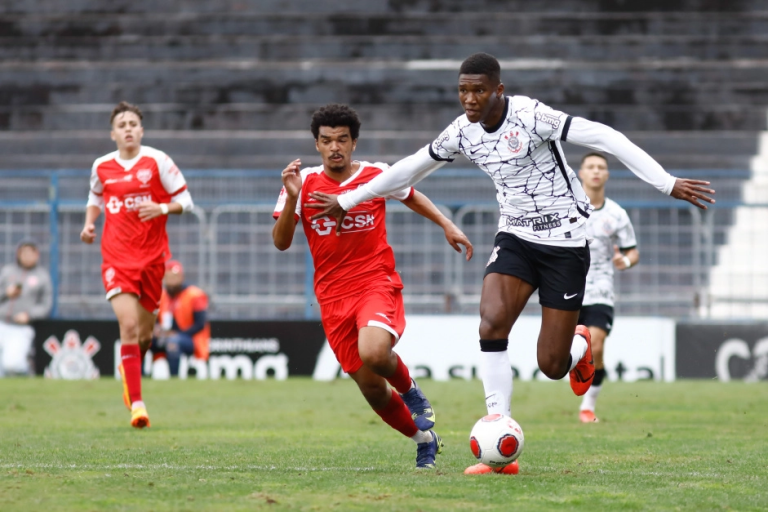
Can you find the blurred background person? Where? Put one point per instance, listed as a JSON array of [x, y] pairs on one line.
[[26, 294], [183, 326], [613, 246]]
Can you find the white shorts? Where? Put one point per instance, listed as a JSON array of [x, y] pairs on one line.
[[15, 348]]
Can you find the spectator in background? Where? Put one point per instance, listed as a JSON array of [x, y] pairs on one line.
[[183, 324], [26, 294]]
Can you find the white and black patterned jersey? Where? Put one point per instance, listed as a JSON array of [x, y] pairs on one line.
[[607, 226], [540, 197]]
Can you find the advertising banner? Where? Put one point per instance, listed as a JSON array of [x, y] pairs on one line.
[[722, 351], [447, 346], [80, 349]]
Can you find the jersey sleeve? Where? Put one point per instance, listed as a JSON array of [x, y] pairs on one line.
[[625, 235], [170, 176], [281, 204], [446, 146], [96, 189], [400, 195], [544, 122]]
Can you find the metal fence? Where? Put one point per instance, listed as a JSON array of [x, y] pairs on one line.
[[693, 263]]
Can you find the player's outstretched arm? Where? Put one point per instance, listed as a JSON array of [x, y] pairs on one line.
[[403, 174], [422, 205], [285, 225], [603, 138]]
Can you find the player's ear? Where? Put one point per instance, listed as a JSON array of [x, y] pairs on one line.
[[500, 90], [112, 135], [317, 147]]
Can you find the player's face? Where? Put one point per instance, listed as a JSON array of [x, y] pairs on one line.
[[335, 146], [478, 95], [594, 172], [127, 131]]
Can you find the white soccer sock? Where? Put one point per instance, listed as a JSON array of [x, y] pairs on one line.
[[578, 349], [423, 437], [137, 404], [590, 398], [496, 373]]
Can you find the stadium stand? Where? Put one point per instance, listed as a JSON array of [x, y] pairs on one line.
[[231, 84]]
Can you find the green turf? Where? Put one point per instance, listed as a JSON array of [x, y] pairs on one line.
[[301, 445]]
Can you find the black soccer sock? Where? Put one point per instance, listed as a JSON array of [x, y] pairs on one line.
[[599, 376], [499, 345]]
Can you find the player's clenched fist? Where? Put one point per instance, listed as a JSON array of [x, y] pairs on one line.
[[291, 177], [88, 234]]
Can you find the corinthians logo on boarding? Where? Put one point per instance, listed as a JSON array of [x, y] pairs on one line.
[[72, 359]]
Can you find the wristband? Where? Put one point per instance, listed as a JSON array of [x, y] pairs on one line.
[[627, 262], [164, 208]]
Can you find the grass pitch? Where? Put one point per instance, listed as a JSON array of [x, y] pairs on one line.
[[302, 445]]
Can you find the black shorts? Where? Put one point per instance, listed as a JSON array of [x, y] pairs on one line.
[[560, 273], [597, 315]]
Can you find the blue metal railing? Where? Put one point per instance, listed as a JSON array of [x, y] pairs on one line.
[[54, 201]]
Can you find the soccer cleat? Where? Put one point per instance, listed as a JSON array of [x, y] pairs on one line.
[[126, 396], [584, 371], [481, 469], [421, 410], [139, 417], [426, 452], [587, 416]]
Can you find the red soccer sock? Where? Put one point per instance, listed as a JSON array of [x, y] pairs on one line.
[[397, 416], [131, 358], [401, 379]]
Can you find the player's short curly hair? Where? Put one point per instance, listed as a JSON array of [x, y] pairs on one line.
[[333, 115], [124, 106], [594, 153], [482, 64]]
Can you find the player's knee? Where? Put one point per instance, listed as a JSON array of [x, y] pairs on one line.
[[129, 329], [376, 359], [553, 367], [493, 326]]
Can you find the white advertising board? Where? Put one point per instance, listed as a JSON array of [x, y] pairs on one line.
[[447, 346]]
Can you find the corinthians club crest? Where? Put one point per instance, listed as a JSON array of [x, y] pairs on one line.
[[72, 359], [513, 142]]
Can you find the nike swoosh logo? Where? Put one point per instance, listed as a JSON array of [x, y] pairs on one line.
[[566, 296]]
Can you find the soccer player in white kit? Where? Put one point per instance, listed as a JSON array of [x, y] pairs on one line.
[[542, 239], [612, 245]]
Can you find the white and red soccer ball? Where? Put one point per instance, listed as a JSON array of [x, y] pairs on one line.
[[496, 440]]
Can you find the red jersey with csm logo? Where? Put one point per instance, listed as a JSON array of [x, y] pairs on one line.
[[127, 242], [361, 254]]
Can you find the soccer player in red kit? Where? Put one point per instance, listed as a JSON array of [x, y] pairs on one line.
[[137, 187], [359, 291]]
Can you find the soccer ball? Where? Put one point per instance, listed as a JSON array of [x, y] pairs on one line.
[[496, 440]]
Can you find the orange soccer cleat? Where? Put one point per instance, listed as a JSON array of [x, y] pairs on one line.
[[482, 469], [126, 396], [587, 416], [139, 417], [584, 371]]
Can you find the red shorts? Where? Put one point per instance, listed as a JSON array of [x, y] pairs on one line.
[[146, 283], [342, 319]]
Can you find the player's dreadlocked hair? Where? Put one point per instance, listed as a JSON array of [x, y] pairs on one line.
[[124, 106], [334, 115], [482, 64]]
